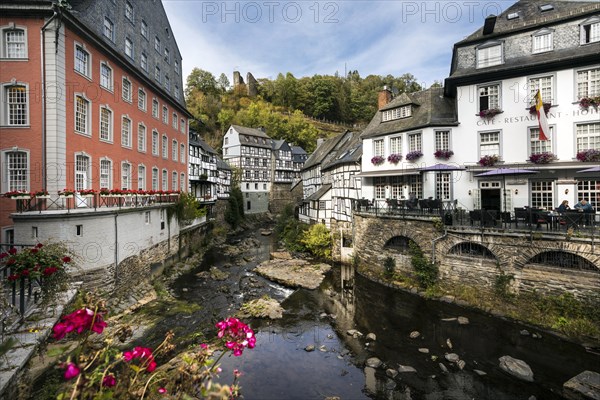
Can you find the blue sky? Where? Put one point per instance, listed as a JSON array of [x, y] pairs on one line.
[[324, 37]]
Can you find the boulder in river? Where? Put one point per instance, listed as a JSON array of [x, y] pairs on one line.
[[463, 320], [452, 357], [517, 368], [372, 337], [263, 307], [373, 362], [281, 255], [309, 348], [293, 273], [354, 333], [586, 386], [217, 274], [406, 368], [414, 334]]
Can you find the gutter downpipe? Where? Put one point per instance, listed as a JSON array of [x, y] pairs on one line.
[[433, 245], [116, 248], [43, 90]]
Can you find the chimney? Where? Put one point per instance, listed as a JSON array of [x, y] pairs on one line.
[[488, 26], [385, 96]]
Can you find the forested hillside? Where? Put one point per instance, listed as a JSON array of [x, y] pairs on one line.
[[297, 110]]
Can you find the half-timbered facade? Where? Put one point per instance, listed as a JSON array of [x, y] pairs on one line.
[[203, 173]]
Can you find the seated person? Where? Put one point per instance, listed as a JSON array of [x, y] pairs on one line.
[[584, 206], [564, 206]]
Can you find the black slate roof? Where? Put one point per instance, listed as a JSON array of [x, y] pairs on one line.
[[319, 193], [348, 152], [430, 108], [321, 152]]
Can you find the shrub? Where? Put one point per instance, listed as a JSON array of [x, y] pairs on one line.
[[502, 284], [317, 241], [389, 265], [427, 272]]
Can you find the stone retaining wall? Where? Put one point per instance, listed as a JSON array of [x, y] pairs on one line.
[[511, 254]]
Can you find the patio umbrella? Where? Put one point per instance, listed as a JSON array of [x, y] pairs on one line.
[[593, 169], [442, 168], [503, 172]]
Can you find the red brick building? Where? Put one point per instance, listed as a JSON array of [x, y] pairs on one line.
[[91, 97]]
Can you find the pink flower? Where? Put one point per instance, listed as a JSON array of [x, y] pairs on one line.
[[79, 321], [39, 245], [71, 371], [237, 373], [144, 354], [162, 390], [66, 259], [203, 346], [13, 277], [109, 381], [34, 250], [3, 255], [12, 251], [237, 335]]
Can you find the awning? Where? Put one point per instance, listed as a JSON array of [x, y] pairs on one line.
[[389, 172]]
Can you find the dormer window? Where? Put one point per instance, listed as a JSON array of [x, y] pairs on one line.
[[489, 54], [514, 15], [546, 7], [543, 41], [590, 30], [397, 113]]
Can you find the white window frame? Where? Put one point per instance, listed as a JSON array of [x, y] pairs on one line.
[[483, 58], [167, 55], [142, 99], [86, 174], [5, 105], [397, 113], [155, 108], [88, 119], [174, 176], [155, 179], [165, 179], [129, 48], [141, 177], [110, 124], [174, 149], [543, 188], [155, 142], [141, 137], [165, 115], [489, 96], [415, 141], [126, 133], [542, 41], [182, 182], [110, 27], [5, 181], [591, 26], [396, 144], [157, 44], [126, 175], [129, 13], [78, 64], [182, 125], [144, 29], [587, 82], [378, 147], [535, 145], [105, 176], [164, 146], [157, 74], [443, 143], [489, 143], [182, 153], [11, 27], [127, 95], [584, 140], [106, 83], [167, 83], [174, 120], [176, 92], [540, 82], [144, 61]]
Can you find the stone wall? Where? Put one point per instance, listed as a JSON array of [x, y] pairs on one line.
[[280, 196], [506, 253]]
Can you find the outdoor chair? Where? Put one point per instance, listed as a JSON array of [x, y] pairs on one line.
[[521, 215], [507, 218], [424, 205], [541, 218]]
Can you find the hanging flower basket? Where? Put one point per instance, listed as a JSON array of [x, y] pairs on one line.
[[589, 155], [414, 155], [394, 158], [17, 195], [489, 161], [443, 154], [586, 102], [542, 158], [377, 160], [533, 110], [490, 113]]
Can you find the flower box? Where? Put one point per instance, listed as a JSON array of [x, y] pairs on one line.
[[414, 155], [443, 154], [17, 194], [490, 113], [586, 102], [542, 158], [533, 110], [590, 155], [489, 161], [65, 196], [43, 196], [377, 160], [394, 158]]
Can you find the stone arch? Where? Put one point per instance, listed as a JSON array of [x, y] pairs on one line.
[[527, 253], [472, 249], [563, 260], [399, 243]]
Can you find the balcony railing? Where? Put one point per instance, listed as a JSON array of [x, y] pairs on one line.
[[522, 219], [92, 201]]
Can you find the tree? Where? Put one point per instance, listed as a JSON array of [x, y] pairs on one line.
[[201, 80], [223, 83]]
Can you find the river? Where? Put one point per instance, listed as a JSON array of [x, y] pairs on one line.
[[279, 367]]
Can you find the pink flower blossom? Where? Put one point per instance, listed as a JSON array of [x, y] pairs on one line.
[[39, 245], [71, 371], [79, 321], [144, 354], [109, 381], [162, 390], [237, 335], [3, 255], [12, 251], [66, 259]]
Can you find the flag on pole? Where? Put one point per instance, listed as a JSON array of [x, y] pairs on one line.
[[541, 115]]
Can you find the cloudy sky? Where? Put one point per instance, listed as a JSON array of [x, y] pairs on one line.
[[311, 37]]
